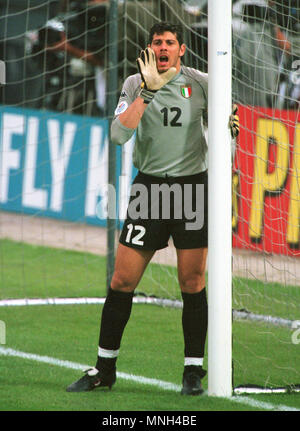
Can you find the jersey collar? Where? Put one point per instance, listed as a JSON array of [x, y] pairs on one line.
[[177, 75]]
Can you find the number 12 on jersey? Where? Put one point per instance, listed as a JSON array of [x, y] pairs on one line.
[[171, 118], [135, 233]]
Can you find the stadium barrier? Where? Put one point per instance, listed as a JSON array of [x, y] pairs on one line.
[[55, 165]]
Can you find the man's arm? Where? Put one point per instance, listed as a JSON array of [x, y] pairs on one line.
[[125, 123], [133, 114], [152, 81], [128, 114]]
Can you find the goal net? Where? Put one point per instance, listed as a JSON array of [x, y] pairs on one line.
[[54, 147], [266, 185]]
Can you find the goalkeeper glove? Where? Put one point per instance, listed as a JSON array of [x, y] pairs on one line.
[[234, 122], [152, 80]]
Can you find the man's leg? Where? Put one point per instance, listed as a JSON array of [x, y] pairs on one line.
[[191, 276], [129, 267]]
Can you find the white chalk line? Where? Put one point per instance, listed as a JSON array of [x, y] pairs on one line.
[[237, 314], [6, 351]]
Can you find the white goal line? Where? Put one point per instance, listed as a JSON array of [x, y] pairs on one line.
[[237, 314], [5, 351]]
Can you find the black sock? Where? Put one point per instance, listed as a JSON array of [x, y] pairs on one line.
[[194, 323], [115, 315]]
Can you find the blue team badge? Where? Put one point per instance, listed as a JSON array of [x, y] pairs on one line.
[[186, 91], [122, 106]]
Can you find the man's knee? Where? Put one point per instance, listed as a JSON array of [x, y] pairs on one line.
[[121, 282], [192, 283]]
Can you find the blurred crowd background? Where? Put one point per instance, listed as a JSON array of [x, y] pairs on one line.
[[55, 51]]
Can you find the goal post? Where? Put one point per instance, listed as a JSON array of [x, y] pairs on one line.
[[112, 99], [219, 199]]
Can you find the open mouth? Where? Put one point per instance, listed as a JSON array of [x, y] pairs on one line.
[[163, 59]]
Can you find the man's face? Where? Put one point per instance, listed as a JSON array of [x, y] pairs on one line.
[[167, 51]]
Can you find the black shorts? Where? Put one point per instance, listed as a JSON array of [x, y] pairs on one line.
[[160, 208]]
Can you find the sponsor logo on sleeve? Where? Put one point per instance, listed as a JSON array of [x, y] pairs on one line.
[[122, 106]]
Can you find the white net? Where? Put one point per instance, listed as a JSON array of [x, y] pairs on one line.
[[54, 160], [266, 185]]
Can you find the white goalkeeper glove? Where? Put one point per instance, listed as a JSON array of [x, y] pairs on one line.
[[152, 80], [234, 122]]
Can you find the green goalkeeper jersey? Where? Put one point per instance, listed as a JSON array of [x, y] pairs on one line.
[[170, 138]]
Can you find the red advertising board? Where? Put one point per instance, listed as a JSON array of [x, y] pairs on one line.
[[266, 181]]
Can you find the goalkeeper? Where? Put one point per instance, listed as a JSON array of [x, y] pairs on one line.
[[166, 105]]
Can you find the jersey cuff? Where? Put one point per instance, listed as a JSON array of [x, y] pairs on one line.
[[120, 134]]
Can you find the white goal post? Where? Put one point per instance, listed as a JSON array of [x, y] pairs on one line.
[[219, 197]]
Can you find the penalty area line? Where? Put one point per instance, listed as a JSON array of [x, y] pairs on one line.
[[6, 351]]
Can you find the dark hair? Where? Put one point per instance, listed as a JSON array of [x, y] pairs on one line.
[[161, 27]]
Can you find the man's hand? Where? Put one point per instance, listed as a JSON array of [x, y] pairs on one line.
[[152, 80], [234, 122]]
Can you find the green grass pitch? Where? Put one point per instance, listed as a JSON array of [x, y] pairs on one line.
[[152, 345]]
